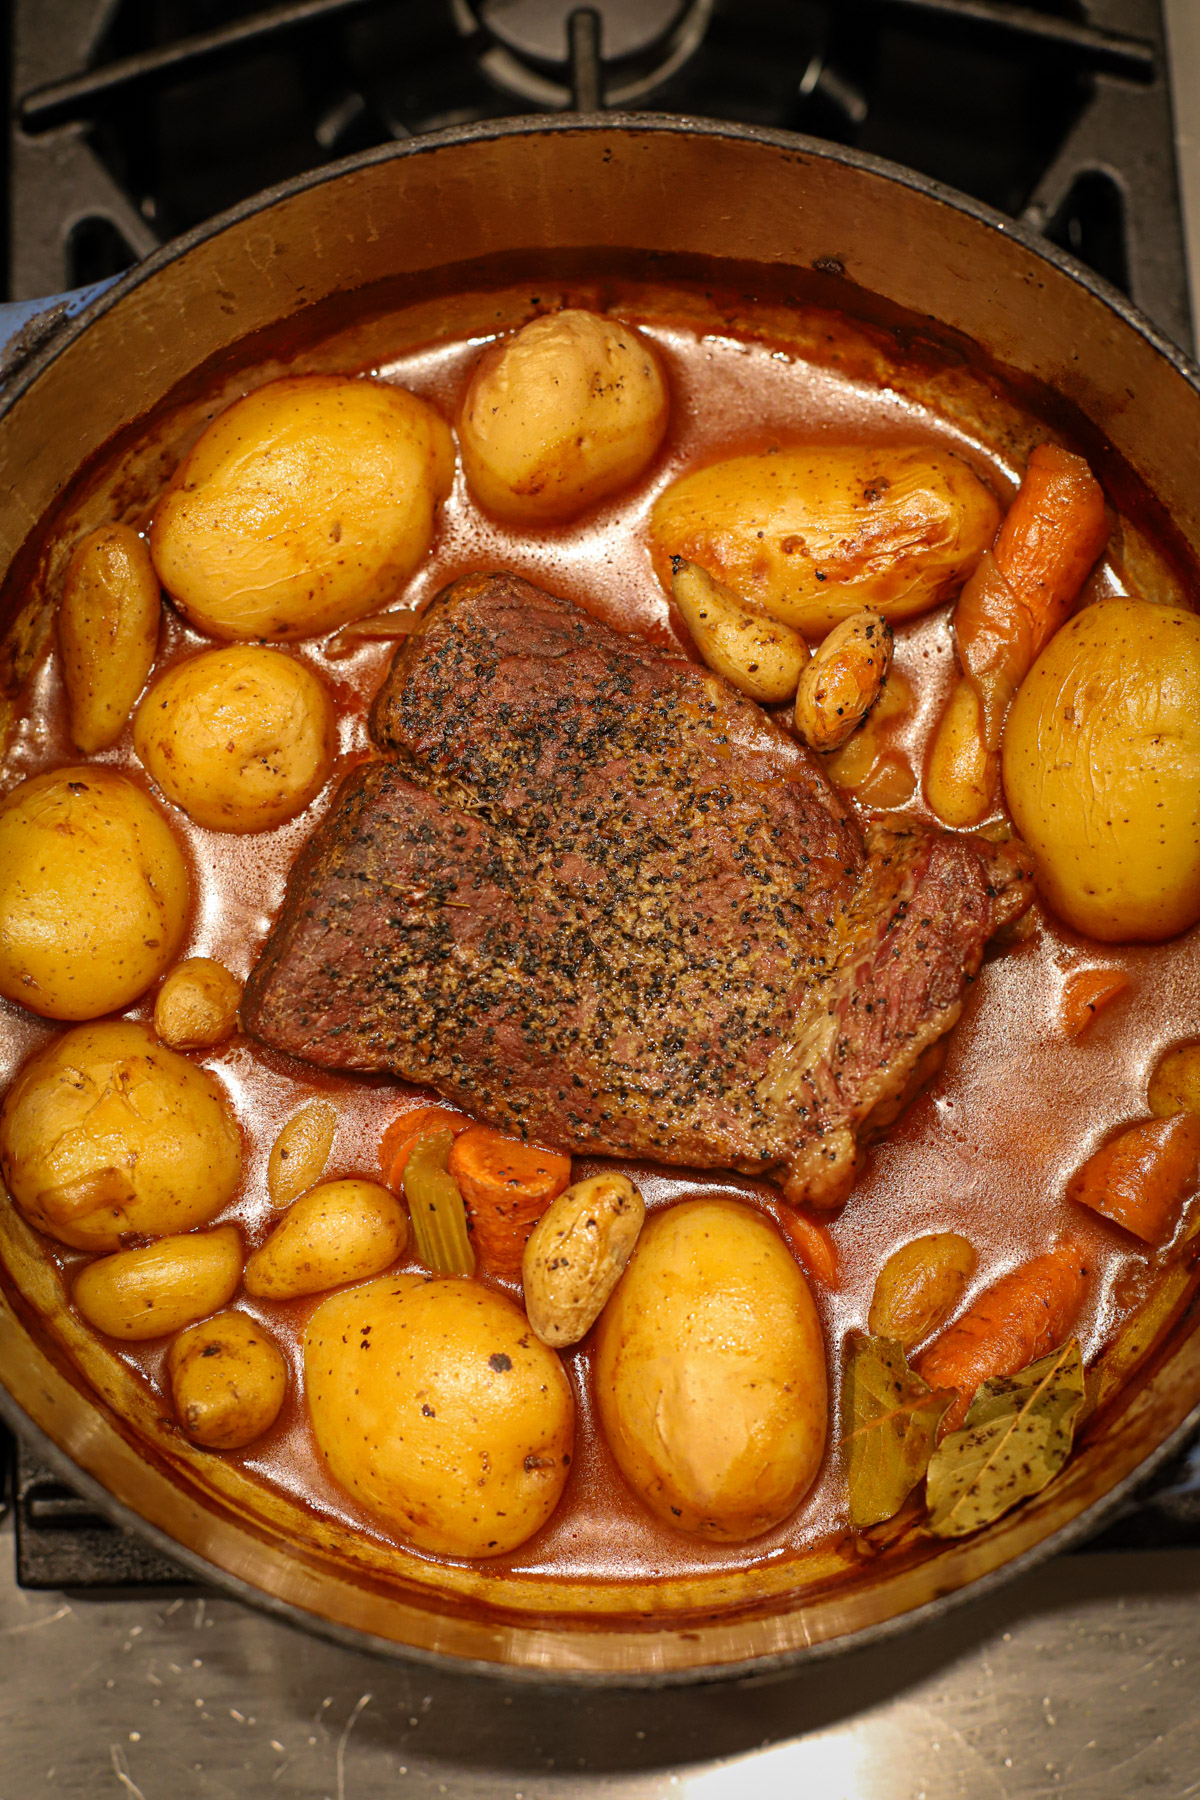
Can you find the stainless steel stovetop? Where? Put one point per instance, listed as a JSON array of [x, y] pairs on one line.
[[1081, 1679]]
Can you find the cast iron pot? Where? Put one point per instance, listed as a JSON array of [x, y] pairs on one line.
[[394, 235]]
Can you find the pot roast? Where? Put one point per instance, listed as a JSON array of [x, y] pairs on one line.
[[591, 894]]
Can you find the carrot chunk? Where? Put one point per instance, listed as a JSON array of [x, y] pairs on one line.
[[507, 1186], [813, 1246], [396, 1145], [1084, 993], [1019, 595], [1025, 1314], [1141, 1177]]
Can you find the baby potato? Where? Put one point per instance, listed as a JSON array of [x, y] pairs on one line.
[[757, 656], [1101, 765], [341, 1231], [94, 893], [436, 1407], [569, 410], [843, 681], [158, 1288], [304, 505], [197, 1004], [810, 536], [919, 1286], [1175, 1083], [107, 632], [241, 739], [576, 1254], [710, 1372], [227, 1379], [105, 1134], [300, 1152]]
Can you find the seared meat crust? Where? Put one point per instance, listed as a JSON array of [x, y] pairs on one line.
[[601, 899]]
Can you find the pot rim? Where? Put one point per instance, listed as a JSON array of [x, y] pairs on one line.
[[771, 1664], [533, 125]]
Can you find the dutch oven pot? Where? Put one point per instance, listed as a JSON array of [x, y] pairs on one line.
[[396, 235]]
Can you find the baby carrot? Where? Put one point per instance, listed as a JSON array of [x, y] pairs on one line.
[[1139, 1178], [507, 1186], [1025, 1314], [813, 1245], [1084, 993]]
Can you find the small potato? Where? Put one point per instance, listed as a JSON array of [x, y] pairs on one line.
[[810, 536], [1101, 764], [105, 1134], [569, 410], [161, 1287], [577, 1253], [755, 655], [1175, 1083], [958, 784], [305, 505], [434, 1405], [228, 1379], [94, 893], [919, 1286], [342, 1231], [197, 1004], [300, 1152], [242, 739], [107, 632], [709, 1375], [843, 681]]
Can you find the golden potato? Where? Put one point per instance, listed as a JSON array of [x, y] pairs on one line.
[[241, 739], [300, 1152], [919, 1286], [843, 681], [94, 893], [107, 632], [105, 1134], [197, 1005], [1175, 1083], [757, 656], [569, 410], [1101, 765], [342, 1231], [576, 1254], [228, 1379], [303, 506], [158, 1288], [710, 1372], [434, 1404], [813, 535]]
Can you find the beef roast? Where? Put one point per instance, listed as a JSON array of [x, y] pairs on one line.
[[594, 896]]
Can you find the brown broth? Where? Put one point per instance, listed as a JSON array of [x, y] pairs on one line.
[[986, 1150]]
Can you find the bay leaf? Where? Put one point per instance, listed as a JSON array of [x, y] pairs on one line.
[[1016, 1438], [891, 1418]]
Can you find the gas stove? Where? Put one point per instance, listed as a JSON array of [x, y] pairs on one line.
[[133, 120]]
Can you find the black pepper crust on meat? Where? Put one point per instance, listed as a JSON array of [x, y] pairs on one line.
[[597, 898]]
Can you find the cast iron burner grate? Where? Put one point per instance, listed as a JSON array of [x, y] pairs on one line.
[[136, 119]]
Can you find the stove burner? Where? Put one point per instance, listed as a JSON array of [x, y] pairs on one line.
[[615, 52]]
